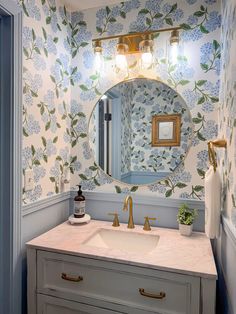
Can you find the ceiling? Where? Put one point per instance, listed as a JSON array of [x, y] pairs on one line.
[[87, 4]]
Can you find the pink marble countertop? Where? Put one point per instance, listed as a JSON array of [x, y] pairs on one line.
[[174, 253]]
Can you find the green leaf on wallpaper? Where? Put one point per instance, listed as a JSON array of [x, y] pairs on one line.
[[43, 2], [214, 99], [33, 35], [181, 185], [82, 23], [44, 33], [58, 125], [55, 40], [45, 51], [216, 45], [158, 15], [201, 173], [97, 91], [24, 9], [53, 9], [173, 8], [52, 111], [44, 141], [185, 26], [52, 179], [81, 114], [99, 30], [143, 11], [74, 122], [94, 77], [48, 20], [202, 8], [59, 27], [74, 53], [123, 14], [64, 22], [199, 13], [73, 143], [148, 21], [201, 100], [204, 66], [26, 52], [168, 193], [184, 82], [57, 189], [203, 29], [37, 162], [118, 189], [134, 188], [47, 126], [55, 139], [36, 49], [84, 44], [108, 10], [169, 21], [201, 137], [25, 133], [53, 79], [196, 120], [201, 82], [84, 87], [73, 159], [82, 176], [33, 150], [45, 158], [33, 93], [58, 158], [112, 20], [198, 188], [96, 182], [83, 135]]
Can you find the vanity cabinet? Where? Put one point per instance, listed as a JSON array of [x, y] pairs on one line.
[[65, 284], [66, 275]]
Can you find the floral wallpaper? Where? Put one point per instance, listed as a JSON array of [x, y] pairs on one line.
[[227, 109], [61, 87]]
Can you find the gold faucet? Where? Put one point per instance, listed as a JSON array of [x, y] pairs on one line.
[[129, 200]]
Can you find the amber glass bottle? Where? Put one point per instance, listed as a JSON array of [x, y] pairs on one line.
[[79, 204]]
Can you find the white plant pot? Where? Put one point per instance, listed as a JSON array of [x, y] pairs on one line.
[[186, 230]]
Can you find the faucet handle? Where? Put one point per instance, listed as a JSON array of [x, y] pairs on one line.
[[146, 226], [116, 222]]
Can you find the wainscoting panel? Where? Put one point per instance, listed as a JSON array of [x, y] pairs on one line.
[[99, 204]]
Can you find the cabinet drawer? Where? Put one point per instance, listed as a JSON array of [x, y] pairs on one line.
[[52, 305], [85, 280]]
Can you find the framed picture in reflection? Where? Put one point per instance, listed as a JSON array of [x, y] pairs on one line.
[[166, 130]]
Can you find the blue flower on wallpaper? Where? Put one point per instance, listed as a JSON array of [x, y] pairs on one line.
[[50, 45], [86, 150], [50, 12], [88, 59], [33, 195], [199, 23], [31, 125], [51, 148], [157, 187], [30, 9], [107, 20], [156, 15], [203, 160], [210, 56], [39, 173]]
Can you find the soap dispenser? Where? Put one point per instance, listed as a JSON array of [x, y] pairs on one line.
[[79, 204]]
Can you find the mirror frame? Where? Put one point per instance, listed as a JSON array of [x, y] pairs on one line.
[[190, 137]]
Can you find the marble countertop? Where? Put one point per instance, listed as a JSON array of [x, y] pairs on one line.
[[174, 253]]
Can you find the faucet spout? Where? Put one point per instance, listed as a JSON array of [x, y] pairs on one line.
[[128, 202]]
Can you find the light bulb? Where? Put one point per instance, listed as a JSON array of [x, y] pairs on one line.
[[121, 62], [174, 51], [147, 60], [98, 62]]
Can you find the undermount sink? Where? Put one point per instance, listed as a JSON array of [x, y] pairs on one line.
[[123, 241]]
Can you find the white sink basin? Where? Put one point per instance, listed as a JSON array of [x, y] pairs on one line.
[[123, 240]]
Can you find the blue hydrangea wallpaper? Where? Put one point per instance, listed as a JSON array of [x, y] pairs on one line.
[[227, 109], [61, 87]]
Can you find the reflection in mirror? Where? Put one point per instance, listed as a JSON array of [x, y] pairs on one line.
[[121, 131]]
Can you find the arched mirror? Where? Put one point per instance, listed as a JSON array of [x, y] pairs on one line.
[[140, 131]]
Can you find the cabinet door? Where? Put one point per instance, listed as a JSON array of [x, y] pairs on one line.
[[51, 305]]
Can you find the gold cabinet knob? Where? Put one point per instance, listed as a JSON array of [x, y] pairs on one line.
[[146, 226], [116, 222]]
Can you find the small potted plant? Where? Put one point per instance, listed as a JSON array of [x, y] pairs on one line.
[[185, 218]]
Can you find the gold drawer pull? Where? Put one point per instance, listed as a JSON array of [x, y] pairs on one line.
[[74, 279], [161, 295]]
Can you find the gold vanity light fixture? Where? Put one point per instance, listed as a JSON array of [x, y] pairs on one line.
[[141, 43], [211, 151]]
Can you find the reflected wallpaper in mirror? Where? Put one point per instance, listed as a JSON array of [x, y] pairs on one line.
[[120, 131]]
